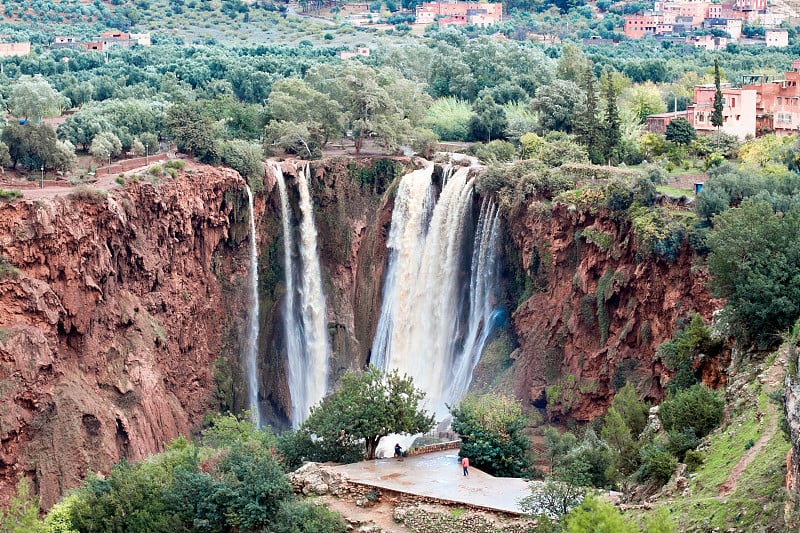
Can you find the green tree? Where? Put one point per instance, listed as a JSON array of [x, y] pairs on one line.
[[370, 405], [597, 516], [244, 157], [633, 411], [754, 262], [680, 131], [490, 428], [81, 128], [33, 97], [22, 514], [716, 114], [698, 408], [33, 146], [293, 100], [618, 436], [611, 121], [587, 130], [301, 138], [557, 103], [192, 131], [105, 145], [489, 121]]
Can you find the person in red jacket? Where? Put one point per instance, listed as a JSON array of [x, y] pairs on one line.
[[465, 465]]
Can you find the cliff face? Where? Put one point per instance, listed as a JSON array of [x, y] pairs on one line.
[[111, 317], [593, 313]]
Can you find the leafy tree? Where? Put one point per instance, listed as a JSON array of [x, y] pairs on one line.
[[293, 100], [661, 522], [643, 100], [307, 517], [557, 103], [81, 128], [698, 408], [657, 464], [299, 138], [490, 428], [633, 411], [489, 121], [557, 445], [618, 436], [33, 146], [592, 458], [369, 405], [680, 131], [553, 498], [105, 146], [192, 131], [244, 157], [33, 97], [595, 516], [754, 260], [716, 114]]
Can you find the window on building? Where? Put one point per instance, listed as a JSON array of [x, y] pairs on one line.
[[778, 100], [733, 101]]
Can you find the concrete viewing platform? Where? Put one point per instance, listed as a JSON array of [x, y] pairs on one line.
[[439, 476]]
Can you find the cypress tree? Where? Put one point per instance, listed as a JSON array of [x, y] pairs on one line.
[[612, 134], [716, 115], [587, 130]]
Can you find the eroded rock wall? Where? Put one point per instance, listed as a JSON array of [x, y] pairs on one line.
[[111, 319], [593, 312]]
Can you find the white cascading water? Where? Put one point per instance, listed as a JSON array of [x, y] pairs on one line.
[[304, 322], [314, 384], [438, 297], [251, 349]]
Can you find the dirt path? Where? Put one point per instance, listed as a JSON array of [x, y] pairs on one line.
[[773, 381]]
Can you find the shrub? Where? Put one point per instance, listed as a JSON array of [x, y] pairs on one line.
[[657, 464], [693, 460], [10, 194], [175, 163], [120, 180], [156, 170], [83, 193], [698, 408]]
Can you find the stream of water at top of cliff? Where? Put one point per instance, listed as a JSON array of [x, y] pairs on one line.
[[304, 321], [439, 296], [251, 348]]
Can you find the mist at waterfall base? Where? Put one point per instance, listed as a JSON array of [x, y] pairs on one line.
[[439, 296], [304, 321]]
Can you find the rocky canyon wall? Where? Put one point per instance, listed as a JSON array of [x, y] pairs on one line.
[[592, 312], [111, 320]]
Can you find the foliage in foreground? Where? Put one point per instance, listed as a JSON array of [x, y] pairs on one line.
[[490, 428], [368, 405], [232, 482]]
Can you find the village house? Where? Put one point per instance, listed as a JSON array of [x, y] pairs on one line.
[[15, 49], [738, 110], [361, 51], [459, 13], [777, 102], [777, 38]]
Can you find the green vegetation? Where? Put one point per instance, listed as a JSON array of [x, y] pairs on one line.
[[230, 480], [490, 427], [368, 405]]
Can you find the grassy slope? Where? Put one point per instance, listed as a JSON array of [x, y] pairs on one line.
[[756, 503]]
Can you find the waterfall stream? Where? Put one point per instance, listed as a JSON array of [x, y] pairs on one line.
[[304, 321], [438, 296], [251, 349]]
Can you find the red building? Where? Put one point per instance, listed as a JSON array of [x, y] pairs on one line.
[[777, 103]]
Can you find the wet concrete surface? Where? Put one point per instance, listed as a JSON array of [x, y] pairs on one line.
[[439, 475]]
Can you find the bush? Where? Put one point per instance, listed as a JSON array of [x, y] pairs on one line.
[[10, 194], [120, 180], [83, 193], [657, 464], [156, 170], [490, 428], [697, 408], [175, 163], [307, 517], [693, 460]]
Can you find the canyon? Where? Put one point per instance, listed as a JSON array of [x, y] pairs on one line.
[[124, 315]]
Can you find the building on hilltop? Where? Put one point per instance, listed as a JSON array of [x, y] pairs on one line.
[[15, 49], [777, 38], [361, 51], [459, 13], [777, 102]]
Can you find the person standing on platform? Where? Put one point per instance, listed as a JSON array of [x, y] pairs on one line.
[[465, 466]]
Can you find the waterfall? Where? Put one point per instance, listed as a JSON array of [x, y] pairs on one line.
[[251, 349], [312, 299], [438, 294], [304, 322]]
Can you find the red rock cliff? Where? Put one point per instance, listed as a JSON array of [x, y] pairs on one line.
[[111, 315], [596, 312]]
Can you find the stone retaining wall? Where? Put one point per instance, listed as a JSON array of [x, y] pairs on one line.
[[438, 447]]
